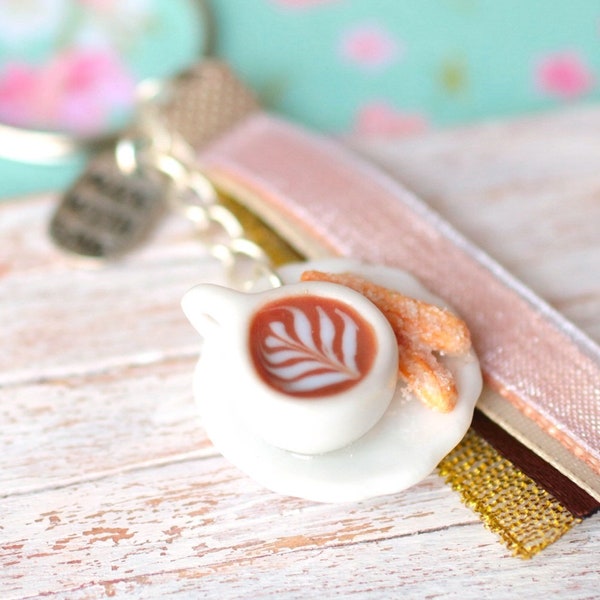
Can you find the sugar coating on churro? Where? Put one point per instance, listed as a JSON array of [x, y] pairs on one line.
[[421, 329]]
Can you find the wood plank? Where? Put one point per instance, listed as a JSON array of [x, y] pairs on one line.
[[406, 567], [61, 431], [27, 248], [77, 321], [59, 318]]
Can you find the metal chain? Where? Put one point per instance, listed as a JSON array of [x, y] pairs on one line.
[[151, 147]]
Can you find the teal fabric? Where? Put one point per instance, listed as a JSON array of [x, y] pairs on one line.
[[457, 60], [384, 67]]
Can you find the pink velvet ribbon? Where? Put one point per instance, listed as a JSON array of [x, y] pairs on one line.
[[529, 353]]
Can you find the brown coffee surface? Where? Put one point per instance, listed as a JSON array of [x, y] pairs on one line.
[[310, 346]]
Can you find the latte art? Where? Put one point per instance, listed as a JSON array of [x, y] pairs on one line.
[[308, 346]]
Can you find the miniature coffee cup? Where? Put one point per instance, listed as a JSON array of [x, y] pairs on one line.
[[311, 366]]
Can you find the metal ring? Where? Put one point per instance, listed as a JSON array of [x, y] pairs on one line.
[[126, 155], [226, 221], [242, 248], [134, 153], [38, 146]]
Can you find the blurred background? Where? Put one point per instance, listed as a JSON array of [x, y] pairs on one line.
[[384, 68]]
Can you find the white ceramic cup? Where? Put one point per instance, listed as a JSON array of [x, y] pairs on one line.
[[312, 366]]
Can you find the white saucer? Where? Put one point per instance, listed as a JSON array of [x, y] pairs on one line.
[[399, 451]]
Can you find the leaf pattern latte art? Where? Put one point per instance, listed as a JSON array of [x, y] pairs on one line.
[[312, 349]]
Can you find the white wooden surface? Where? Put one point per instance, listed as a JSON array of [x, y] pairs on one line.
[[109, 486], [525, 191]]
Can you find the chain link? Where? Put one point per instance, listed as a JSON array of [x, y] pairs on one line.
[[151, 147]]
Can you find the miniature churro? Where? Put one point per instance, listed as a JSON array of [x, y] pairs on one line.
[[421, 329]]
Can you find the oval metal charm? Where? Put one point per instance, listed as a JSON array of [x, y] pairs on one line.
[[106, 213]]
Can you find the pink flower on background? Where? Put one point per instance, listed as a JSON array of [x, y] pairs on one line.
[[77, 91], [370, 46], [89, 85], [564, 75], [380, 119]]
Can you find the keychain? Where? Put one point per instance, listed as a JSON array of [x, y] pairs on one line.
[[340, 379], [125, 190], [328, 380]]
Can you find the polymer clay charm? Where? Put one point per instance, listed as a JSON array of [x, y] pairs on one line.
[[302, 386]]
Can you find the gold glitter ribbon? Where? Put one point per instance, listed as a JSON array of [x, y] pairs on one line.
[[511, 504]]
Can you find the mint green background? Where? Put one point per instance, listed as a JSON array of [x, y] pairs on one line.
[[291, 57]]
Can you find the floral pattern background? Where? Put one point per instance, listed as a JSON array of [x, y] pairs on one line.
[[73, 65], [382, 68]]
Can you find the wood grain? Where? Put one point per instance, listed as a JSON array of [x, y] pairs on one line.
[[59, 316], [108, 484], [203, 520], [112, 421]]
